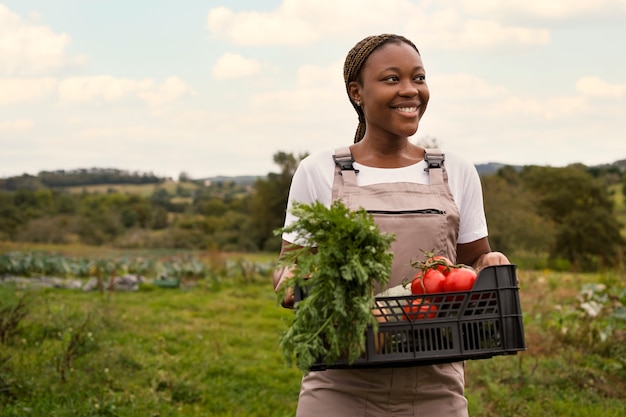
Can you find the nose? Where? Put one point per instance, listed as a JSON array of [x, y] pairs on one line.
[[408, 89]]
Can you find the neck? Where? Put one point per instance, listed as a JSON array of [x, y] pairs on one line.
[[386, 154]]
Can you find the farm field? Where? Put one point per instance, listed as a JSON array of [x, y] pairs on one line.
[[210, 347], [139, 189]]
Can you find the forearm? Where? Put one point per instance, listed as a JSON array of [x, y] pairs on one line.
[[478, 254]]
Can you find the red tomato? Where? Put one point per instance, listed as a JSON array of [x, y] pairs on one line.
[[440, 263], [427, 282], [459, 279], [417, 309]]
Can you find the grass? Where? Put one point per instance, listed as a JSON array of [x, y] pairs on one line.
[[211, 349], [155, 352], [554, 376]]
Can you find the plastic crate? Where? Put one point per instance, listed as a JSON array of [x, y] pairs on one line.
[[476, 324]]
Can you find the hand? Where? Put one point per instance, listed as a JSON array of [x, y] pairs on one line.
[[491, 258], [289, 299], [279, 278]]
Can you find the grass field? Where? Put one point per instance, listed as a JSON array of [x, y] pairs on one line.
[[141, 189], [211, 349]]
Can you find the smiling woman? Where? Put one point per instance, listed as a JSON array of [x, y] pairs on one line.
[[424, 198]]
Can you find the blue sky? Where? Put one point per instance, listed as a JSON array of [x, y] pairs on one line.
[[218, 87]]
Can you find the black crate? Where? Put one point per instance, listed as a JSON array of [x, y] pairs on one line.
[[476, 324]]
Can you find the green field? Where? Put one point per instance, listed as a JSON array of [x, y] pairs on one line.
[[210, 348], [139, 189]]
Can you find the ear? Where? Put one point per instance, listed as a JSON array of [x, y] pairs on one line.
[[354, 90]]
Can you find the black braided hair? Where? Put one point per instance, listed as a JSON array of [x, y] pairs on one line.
[[354, 64]]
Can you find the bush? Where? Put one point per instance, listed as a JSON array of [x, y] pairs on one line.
[[596, 321], [56, 229]]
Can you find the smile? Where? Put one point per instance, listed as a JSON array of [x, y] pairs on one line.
[[406, 109]]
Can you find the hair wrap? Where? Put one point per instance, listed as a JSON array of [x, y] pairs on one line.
[[355, 60]]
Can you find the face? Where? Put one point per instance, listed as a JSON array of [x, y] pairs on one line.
[[393, 91]]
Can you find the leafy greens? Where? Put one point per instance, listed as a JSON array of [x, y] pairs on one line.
[[338, 269]]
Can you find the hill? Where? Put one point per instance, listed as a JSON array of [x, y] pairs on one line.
[[493, 167], [102, 177]]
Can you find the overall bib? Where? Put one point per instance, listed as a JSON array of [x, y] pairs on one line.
[[424, 218]]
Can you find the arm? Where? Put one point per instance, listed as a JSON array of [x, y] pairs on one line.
[[478, 254]]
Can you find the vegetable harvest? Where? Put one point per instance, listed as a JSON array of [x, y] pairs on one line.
[[437, 274], [345, 258]]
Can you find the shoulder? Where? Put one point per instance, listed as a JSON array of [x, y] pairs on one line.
[[315, 160], [317, 167], [460, 170], [313, 178], [457, 162], [463, 178]]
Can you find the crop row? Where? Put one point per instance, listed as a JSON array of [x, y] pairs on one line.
[[38, 264]]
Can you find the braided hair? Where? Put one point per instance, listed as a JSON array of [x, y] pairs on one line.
[[355, 60]]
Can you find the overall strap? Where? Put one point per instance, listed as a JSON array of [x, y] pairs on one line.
[[434, 159], [345, 174], [344, 164]]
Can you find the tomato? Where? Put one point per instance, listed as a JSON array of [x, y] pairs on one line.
[[440, 263], [427, 282], [459, 279], [417, 309]]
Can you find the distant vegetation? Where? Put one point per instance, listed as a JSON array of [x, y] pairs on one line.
[[563, 218], [61, 178]]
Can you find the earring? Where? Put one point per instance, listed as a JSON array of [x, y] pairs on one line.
[[358, 103]]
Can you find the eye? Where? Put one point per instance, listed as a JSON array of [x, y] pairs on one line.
[[420, 78], [391, 79]]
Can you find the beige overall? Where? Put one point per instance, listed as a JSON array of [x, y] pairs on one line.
[[423, 218]]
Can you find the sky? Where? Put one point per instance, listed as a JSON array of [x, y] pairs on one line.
[[217, 87]]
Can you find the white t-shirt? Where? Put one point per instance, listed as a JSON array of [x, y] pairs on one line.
[[313, 181]]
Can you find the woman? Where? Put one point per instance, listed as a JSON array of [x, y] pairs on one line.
[[427, 199]]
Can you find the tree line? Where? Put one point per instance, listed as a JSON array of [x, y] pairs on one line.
[[78, 177], [565, 215]]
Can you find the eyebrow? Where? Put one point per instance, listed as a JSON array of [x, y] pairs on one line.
[[418, 68]]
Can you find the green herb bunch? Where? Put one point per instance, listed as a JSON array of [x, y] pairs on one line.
[[346, 257]]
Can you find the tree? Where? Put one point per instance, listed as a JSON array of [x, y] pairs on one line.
[[581, 209], [514, 223], [269, 201]]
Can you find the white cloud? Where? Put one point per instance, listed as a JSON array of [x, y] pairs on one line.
[[545, 9], [455, 91], [462, 85], [99, 88], [594, 86], [106, 88], [548, 108], [16, 126], [171, 90], [16, 90], [298, 22], [134, 132], [26, 48], [283, 26], [231, 65], [318, 89], [322, 77], [486, 33]]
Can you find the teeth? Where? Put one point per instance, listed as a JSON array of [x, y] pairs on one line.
[[406, 109]]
